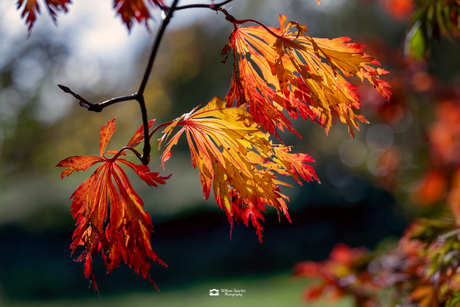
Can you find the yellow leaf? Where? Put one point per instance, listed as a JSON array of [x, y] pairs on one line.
[[236, 159]]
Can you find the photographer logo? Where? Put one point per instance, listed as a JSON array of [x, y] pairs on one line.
[[213, 292]]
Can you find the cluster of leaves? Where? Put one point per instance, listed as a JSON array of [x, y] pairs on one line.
[[128, 10], [421, 271], [301, 74], [275, 69]]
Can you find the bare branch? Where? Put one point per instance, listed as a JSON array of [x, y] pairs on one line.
[[214, 7], [96, 107]]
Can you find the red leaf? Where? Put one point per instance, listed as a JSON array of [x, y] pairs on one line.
[[131, 10], [106, 135], [125, 233], [78, 163], [55, 6], [138, 136], [31, 8]]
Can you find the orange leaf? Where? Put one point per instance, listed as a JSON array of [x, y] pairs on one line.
[[125, 232], [235, 159], [138, 136], [301, 74], [106, 135], [78, 163]]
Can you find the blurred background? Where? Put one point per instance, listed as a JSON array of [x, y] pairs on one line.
[[371, 187]]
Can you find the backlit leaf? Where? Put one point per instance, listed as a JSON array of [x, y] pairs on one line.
[[109, 213], [236, 160], [284, 68]]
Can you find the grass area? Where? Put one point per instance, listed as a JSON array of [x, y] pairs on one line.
[[271, 291]]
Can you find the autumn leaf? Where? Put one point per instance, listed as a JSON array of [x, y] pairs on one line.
[[237, 161], [55, 6], [130, 10], [109, 213], [32, 8], [298, 73]]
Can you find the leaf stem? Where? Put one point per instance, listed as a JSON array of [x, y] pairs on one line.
[[235, 21], [158, 127], [138, 155]]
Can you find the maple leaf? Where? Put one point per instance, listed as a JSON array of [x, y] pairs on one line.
[[237, 160], [299, 73], [55, 6], [32, 8], [131, 10], [122, 229]]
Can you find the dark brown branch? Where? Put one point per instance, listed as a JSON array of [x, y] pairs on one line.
[[145, 158], [96, 107], [139, 96], [214, 7], [156, 45]]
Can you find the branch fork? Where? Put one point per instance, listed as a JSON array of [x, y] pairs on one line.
[[139, 95]]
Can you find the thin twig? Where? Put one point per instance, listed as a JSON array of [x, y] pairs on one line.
[[214, 7], [96, 107]]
